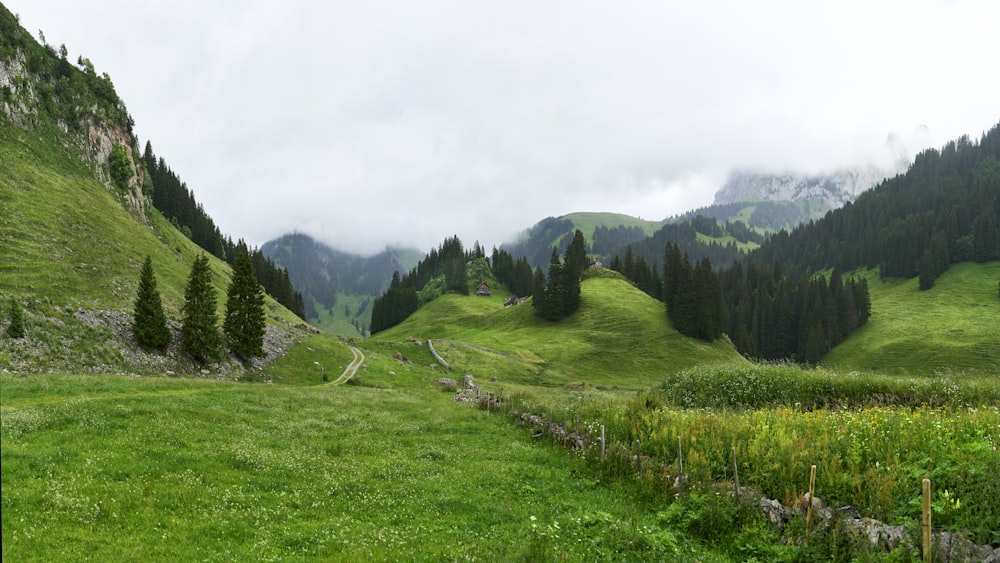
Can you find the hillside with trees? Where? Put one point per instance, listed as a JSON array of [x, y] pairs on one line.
[[943, 210]]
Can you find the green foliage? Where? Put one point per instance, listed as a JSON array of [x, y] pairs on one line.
[[870, 457], [16, 318], [693, 296], [200, 336], [515, 275], [245, 322], [754, 386], [150, 322], [120, 167]]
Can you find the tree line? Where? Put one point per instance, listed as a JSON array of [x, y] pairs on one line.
[[176, 202], [516, 275], [243, 326], [768, 315]]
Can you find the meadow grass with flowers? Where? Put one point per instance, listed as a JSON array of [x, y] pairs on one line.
[[111, 468], [872, 438]]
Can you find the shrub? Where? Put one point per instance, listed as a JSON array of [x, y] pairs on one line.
[[16, 327]]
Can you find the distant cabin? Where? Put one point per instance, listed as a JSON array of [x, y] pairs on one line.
[[484, 290]]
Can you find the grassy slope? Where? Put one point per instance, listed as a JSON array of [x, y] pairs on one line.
[[953, 326], [619, 337], [68, 240], [69, 243], [588, 221]]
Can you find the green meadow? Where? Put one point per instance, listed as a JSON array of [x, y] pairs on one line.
[[953, 327], [110, 468]]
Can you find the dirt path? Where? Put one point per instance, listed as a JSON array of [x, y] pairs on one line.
[[352, 368]]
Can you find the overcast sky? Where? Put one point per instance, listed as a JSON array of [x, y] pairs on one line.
[[372, 123]]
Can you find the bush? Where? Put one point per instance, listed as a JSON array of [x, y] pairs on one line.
[[16, 327], [120, 167]]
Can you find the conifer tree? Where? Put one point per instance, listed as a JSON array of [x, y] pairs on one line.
[[554, 290], [244, 325], [573, 266], [16, 327], [538, 292], [200, 336], [150, 323]]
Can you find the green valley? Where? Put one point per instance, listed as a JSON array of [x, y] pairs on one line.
[[474, 428]]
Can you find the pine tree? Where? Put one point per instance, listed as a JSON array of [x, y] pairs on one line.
[[927, 271], [150, 326], [16, 327], [244, 325], [815, 344], [554, 290], [200, 336], [538, 292], [708, 317], [575, 263]]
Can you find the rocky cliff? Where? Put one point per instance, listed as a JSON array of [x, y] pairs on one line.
[[39, 89], [833, 190]]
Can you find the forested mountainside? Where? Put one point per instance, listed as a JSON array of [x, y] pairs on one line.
[[322, 274], [945, 209]]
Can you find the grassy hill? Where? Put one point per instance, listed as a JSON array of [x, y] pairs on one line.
[[72, 243], [588, 221], [954, 326], [619, 337]]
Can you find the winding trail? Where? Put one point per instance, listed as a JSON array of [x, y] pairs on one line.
[[352, 368]]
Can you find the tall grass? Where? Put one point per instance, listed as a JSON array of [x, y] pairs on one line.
[[872, 438], [766, 385]]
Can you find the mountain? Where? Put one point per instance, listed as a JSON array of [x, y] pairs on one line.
[[950, 329], [771, 201], [338, 287], [76, 220], [827, 191]]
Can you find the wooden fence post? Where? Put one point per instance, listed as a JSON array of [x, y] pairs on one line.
[[736, 475], [604, 449], [812, 496], [680, 464], [926, 520]]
